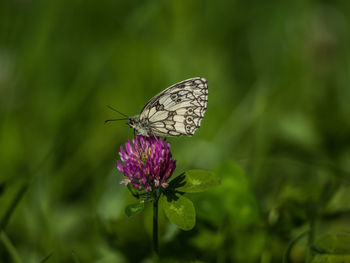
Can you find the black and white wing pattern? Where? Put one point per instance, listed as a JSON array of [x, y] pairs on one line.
[[178, 110]]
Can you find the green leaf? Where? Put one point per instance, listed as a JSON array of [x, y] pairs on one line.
[[233, 199], [340, 202], [181, 211], [134, 209], [286, 256], [338, 243], [331, 259], [199, 181]]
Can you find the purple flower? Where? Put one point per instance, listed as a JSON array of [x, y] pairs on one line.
[[148, 163]]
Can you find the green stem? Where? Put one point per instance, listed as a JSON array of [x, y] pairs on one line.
[[155, 227]]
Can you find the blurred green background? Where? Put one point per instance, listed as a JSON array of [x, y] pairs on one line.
[[279, 108]]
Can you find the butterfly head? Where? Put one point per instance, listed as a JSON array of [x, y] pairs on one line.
[[140, 126], [134, 122]]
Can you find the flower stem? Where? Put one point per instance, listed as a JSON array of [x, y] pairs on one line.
[[155, 227]]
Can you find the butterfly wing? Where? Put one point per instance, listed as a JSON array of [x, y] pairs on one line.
[[178, 110]]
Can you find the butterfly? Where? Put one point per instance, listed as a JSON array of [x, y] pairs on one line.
[[176, 111]]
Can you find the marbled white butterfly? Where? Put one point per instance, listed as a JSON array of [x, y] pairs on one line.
[[177, 110]]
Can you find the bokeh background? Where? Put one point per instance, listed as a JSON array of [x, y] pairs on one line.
[[277, 128]]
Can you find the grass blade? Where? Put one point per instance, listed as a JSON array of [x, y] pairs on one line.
[[11, 249], [4, 221], [47, 257]]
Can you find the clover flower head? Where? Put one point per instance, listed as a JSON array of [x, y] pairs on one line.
[[147, 163]]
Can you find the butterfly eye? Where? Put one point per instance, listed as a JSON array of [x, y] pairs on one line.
[[190, 110], [178, 100], [188, 127], [173, 97], [189, 119]]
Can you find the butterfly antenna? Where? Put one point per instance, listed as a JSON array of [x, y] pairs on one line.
[[118, 111], [122, 119]]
